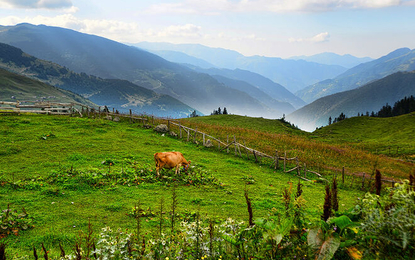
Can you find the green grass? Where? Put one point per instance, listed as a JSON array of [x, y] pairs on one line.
[[352, 143], [393, 136], [62, 210], [50, 166]]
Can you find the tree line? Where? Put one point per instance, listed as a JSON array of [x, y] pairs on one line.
[[401, 107]]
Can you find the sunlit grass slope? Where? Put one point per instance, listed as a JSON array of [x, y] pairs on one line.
[[351, 144], [375, 134]]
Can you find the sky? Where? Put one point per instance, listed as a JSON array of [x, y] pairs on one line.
[[273, 28]]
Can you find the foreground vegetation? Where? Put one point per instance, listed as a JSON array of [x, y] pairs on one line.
[[66, 180]]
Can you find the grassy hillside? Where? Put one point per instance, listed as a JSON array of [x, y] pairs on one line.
[[393, 136], [321, 151], [67, 171], [16, 87]]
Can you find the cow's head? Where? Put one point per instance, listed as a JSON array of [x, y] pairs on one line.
[[186, 166]]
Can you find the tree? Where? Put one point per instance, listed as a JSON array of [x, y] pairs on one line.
[[193, 114], [341, 117], [225, 112], [219, 111], [330, 121]]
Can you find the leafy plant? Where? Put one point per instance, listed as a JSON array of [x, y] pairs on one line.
[[12, 222], [388, 222]]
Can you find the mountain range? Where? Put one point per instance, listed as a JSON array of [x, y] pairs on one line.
[[329, 58], [104, 58], [195, 77], [120, 94], [368, 98], [292, 74], [399, 60]]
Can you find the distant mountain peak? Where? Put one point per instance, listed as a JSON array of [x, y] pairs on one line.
[[331, 58]]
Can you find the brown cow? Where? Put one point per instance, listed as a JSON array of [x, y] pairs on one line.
[[170, 160]]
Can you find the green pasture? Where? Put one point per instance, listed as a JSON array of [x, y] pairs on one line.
[[47, 165]]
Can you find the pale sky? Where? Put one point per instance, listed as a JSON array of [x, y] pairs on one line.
[[274, 28]]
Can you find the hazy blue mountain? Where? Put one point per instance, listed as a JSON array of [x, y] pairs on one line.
[[114, 93], [370, 97], [292, 74], [109, 59], [330, 58], [399, 60], [219, 57], [183, 58], [273, 90]]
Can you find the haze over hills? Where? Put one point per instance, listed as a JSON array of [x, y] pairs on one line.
[[120, 94], [293, 75], [329, 58], [368, 98], [109, 59], [258, 82], [399, 60], [183, 58]]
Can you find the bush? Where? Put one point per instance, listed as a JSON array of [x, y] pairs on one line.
[[388, 222]]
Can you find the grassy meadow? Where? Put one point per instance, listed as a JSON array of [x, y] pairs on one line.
[[358, 144], [67, 172]]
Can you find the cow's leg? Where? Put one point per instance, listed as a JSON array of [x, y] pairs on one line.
[[159, 166], [178, 168]]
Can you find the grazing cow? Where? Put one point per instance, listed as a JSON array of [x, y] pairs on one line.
[[170, 160]]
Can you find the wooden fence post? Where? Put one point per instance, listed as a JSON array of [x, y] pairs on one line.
[[276, 163], [298, 166], [219, 144], [168, 124], [247, 154], [180, 130], [194, 137], [152, 120], [234, 144], [227, 143], [188, 135], [285, 159], [256, 159]]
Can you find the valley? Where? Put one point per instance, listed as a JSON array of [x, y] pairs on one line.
[[73, 183]]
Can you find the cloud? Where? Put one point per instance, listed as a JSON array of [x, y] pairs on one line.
[[112, 29], [38, 4], [187, 30], [215, 7], [321, 37], [212, 7]]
